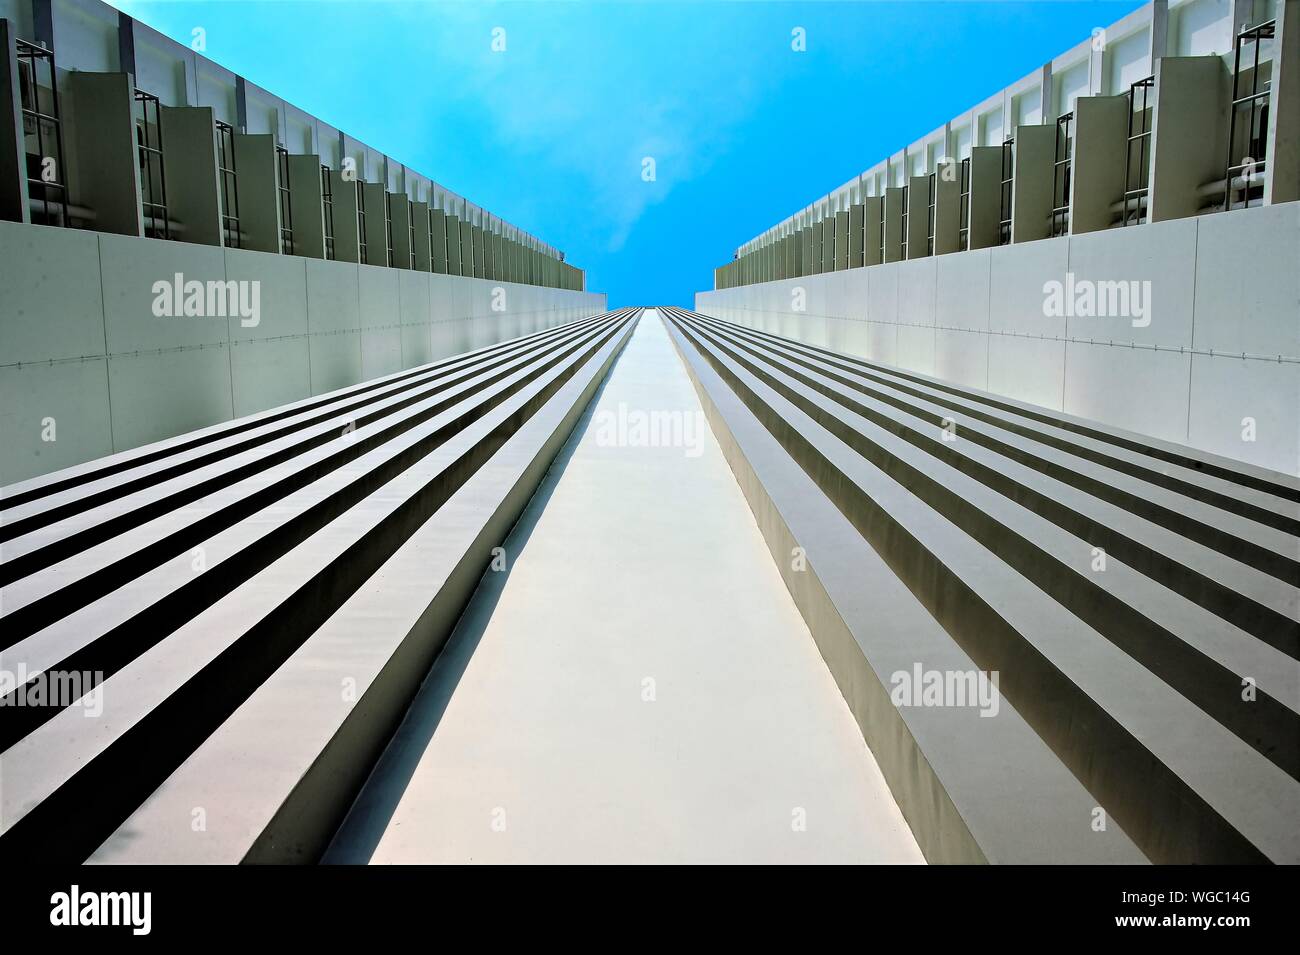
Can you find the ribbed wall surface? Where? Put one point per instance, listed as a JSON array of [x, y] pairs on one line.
[[262, 599], [1137, 599]]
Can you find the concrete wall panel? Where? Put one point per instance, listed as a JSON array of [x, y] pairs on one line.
[[265, 374], [74, 394], [882, 295], [1028, 369], [378, 296], [155, 396], [413, 298], [1163, 255], [962, 290], [129, 269], [916, 291], [915, 349], [335, 361], [333, 298], [1248, 282], [962, 357], [882, 343], [1227, 391], [381, 351], [1018, 274], [856, 294], [52, 305], [1134, 388], [282, 293]]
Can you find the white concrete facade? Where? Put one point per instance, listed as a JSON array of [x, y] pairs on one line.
[[1221, 350], [92, 36], [637, 685], [82, 352], [1104, 64]]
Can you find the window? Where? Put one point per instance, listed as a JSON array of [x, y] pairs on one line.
[[229, 191], [362, 246], [47, 189], [1137, 158], [282, 191], [963, 209], [327, 209], [1004, 199], [1061, 175], [153, 185], [1248, 120]]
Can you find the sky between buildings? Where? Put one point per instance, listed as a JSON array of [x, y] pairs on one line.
[[552, 132]]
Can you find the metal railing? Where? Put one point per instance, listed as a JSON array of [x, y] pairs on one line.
[[1137, 154], [929, 215], [283, 195], [882, 229], [1061, 164], [902, 253], [47, 189], [410, 242], [388, 229], [1005, 193], [963, 207], [1248, 119], [229, 184], [153, 181], [363, 247], [327, 210]]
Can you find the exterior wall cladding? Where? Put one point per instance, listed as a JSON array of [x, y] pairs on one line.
[[1130, 259], [169, 168]]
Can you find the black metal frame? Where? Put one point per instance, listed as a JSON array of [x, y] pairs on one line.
[[1005, 193], [229, 184], [882, 227], [1137, 175], [929, 216], [282, 193], [363, 247], [38, 122], [428, 224], [1256, 104], [410, 221], [902, 248], [149, 146], [388, 227], [327, 210], [1061, 168], [963, 207]]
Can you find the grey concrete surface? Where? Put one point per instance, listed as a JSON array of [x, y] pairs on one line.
[[405, 509], [92, 357], [636, 685], [1130, 670], [1212, 353]]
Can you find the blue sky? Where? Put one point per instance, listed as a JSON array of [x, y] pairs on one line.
[[550, 134]]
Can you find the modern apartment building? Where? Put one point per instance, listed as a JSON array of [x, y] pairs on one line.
[[1113, 236], [339, 523], [128, 159]]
